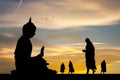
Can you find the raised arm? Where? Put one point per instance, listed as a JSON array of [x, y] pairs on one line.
[[42, 51]]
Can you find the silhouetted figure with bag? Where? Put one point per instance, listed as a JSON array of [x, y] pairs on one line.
[[71, 68], [103, 67], [62, 68], [90, 56]]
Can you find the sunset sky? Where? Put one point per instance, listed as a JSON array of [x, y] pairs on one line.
[[62, 26]]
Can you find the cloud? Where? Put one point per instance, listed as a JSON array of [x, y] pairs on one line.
[[81, 13], [7, 65], [114, 68], [7, 6], [69, 37], [8, 36], [64, 38]]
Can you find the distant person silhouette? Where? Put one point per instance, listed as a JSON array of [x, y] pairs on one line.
[[62, 68], [90, 56], [103, 67], [71, 68]]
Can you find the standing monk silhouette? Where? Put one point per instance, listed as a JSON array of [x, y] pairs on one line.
[[90, 56], [62, 68], [71, 68], [103, 67]]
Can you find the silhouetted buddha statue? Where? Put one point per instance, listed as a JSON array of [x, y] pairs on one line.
[[24, 63], [24, 48]]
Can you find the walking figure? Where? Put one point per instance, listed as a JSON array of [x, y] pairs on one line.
[[71, 69], [103, 67], [62, 68], [90, 56]]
